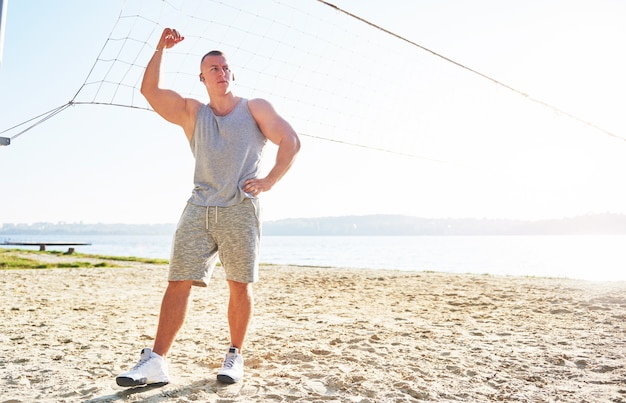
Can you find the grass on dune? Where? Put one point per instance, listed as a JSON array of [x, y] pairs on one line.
[[14, 259]]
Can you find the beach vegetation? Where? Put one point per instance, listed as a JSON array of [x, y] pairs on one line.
[[17, 259]]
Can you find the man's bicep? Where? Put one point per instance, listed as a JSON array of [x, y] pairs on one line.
[[272, 125], [280, 129], [169, 104]]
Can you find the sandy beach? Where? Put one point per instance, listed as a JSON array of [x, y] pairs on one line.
[[319, 335]]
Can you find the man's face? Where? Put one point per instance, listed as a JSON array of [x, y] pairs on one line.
[[215, 72]]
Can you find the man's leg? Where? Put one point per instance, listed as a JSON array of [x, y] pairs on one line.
[[239, 254], [152, 366], [172, 315], [240, 307], [240, 310]]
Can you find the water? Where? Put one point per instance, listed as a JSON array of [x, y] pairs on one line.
[[581, 257], [152, 246], [593, 257]]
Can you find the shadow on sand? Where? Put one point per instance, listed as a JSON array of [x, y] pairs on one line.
[[162, 393]]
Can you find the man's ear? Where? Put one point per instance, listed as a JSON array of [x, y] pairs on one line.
[[201, 77]]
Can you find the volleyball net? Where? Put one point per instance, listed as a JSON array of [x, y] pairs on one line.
[[335, 76]]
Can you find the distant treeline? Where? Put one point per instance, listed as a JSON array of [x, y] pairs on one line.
[[87, 229], [361, 225]]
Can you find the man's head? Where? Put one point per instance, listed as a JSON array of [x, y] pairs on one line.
[[212, 53], [214, 68]]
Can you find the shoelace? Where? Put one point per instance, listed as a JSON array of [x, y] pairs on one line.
[[141, 362], [229, 361]]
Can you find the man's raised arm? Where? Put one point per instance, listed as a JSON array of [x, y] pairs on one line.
[[167, 103]]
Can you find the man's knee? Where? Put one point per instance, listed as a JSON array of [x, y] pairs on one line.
[[179, 287], [238, 288]]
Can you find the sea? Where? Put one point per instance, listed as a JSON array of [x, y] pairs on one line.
[[586, 257]]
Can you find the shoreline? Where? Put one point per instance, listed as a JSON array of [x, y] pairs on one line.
[[590, 258], [319, 334]]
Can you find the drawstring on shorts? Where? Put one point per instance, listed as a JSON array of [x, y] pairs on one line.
[[206, 217]]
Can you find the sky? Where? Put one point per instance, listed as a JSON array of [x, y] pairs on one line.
[[478, 153]]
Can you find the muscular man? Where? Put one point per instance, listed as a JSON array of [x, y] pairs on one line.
[[221, 218]]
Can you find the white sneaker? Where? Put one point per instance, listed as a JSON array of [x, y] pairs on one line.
[[232, 369], [150, 370]]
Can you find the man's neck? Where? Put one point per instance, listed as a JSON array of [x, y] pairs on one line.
[[224, 104]]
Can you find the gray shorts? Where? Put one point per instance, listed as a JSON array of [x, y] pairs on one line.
[[204, 234]]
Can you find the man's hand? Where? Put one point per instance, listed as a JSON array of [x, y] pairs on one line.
[[169, 38], [257, 185]]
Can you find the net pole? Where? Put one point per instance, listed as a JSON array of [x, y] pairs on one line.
[[3, 18], [4, 141]]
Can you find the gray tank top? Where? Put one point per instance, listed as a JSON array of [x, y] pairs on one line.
[[228, 150]]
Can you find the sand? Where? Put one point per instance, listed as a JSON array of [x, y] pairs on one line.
[[319, 335]]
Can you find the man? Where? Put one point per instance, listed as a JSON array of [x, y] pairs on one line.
[[227, 137]]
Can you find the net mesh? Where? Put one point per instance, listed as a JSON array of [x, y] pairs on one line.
[[334, 76]]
